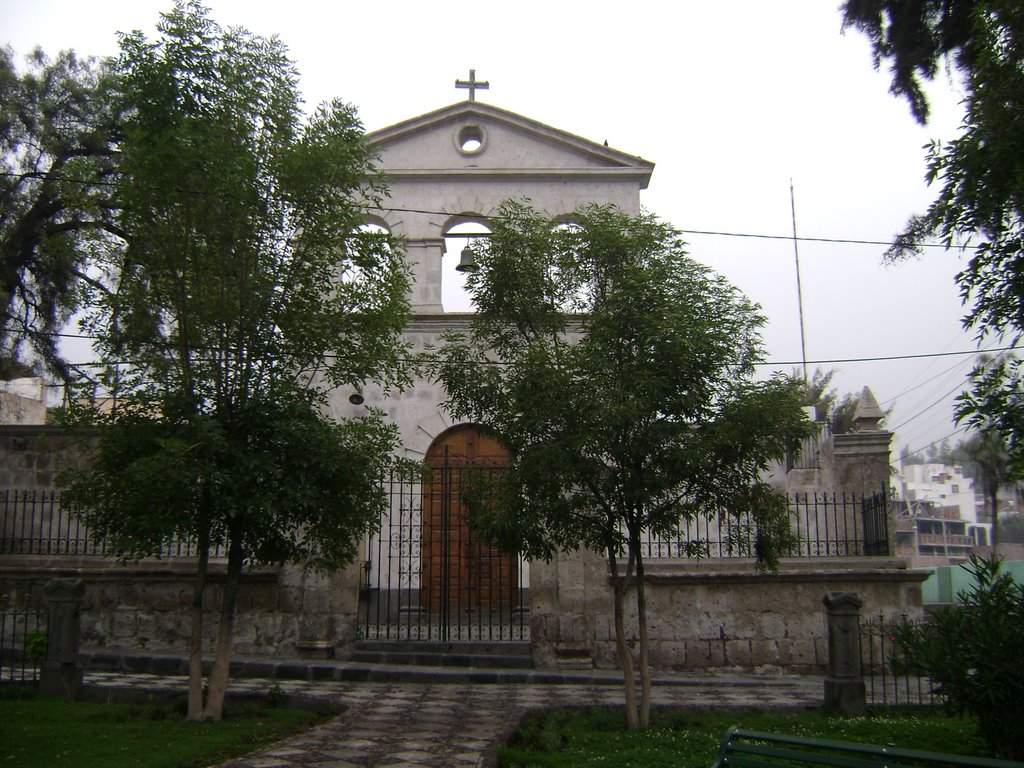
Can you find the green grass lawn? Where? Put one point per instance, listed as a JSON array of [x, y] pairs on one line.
[[47, 732], [690, 739]]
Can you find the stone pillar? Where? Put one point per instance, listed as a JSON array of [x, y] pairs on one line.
[[424, 257], [861, 457], [844, 684], [62, 673], [563, 595]]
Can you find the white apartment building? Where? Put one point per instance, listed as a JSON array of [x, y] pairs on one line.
[[937, 516]]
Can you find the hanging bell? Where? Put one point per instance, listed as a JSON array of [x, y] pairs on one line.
[[467, 263]]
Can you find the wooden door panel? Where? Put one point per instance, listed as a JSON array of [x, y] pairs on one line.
[[461, 576]]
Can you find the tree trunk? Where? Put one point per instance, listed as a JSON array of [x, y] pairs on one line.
[[195, 648], [994, 500], [624, 654], [226, 629], [641, 614]]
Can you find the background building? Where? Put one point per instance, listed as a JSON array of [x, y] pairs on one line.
[[937, 515]]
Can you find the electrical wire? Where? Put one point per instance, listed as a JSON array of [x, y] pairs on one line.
[[935, 442], [936, 421], [893, 357], [760, 364], [929, 368], [429, 212], [765, 363], [924, 410], [955, 365]]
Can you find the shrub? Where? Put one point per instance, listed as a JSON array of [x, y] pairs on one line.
[[971, 652], [276, 696], [35, 645]]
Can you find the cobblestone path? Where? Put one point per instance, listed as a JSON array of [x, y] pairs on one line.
[[420, 725]]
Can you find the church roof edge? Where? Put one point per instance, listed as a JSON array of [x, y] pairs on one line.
[[413, 125]]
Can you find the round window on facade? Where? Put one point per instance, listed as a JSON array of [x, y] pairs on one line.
[[470, 139]]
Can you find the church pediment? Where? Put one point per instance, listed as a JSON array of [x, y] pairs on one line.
[[471, 138]]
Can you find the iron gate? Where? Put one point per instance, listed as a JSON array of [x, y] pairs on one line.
[[426, 576]]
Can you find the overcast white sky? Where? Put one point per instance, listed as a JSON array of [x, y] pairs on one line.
[[729, 99]]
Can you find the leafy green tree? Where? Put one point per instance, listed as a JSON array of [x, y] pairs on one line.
[[246, 284], [624, 393], [915, 36], [59, 129], [939, 454], [958, 453], [1013, 529], [818, 392], [995, 405], [907, 458], [971, 653], [980, 174], [15, 369], [828, 405], [991, 461], [995, 409]]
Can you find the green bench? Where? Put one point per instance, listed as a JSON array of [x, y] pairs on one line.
[[757, 749]]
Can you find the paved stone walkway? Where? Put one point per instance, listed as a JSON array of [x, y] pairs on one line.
[[426, 725]]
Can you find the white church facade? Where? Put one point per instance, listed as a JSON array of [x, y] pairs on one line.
[[422, 576], [454, 166]]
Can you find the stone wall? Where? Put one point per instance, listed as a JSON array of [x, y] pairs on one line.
[[704, 615], [31, 457], [146, 606], [15, 409], [710, 615], [282, 611]]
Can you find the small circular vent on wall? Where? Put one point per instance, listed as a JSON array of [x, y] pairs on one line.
[[470, 139]]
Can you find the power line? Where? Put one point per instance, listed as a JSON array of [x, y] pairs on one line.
[[955, 365], [926, 370], [429, 358], [429, 212], [892, 357], [934, 418], [959, 385], [769, 362], [935, 442], [805, 239]]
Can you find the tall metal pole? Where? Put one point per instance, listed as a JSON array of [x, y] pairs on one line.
[[799, 290]]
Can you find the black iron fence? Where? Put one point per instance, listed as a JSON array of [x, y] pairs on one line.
[[888, 681], [821, 525], [23, 634], [427, 576], [36, 523]]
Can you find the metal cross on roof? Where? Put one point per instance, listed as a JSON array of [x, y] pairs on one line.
[[472, 84]]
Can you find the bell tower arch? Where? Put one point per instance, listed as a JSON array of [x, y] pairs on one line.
[[465, 159], [458, 164]]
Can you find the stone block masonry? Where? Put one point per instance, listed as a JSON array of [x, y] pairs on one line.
[[146, 605], [713, 615], [704, 615], [32, 457]]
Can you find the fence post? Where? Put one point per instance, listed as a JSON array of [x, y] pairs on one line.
[[62, 673], [844, 684]]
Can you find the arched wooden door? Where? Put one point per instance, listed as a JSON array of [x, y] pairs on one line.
[[464, 583]]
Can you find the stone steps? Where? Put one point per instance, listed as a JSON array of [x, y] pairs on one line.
[[508, 655], [110, 663]]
